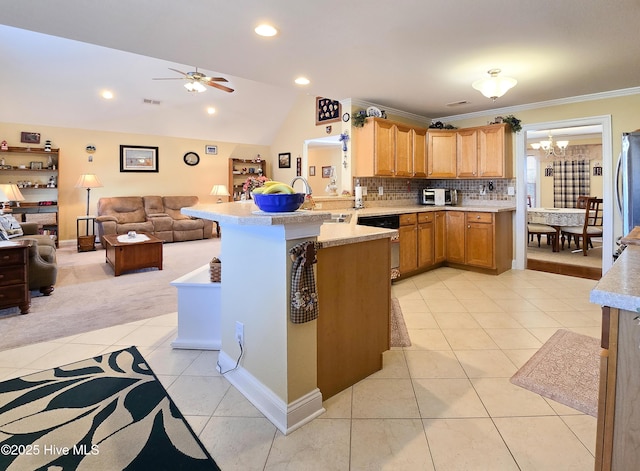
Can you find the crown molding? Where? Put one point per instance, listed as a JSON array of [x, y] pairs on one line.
[[544, 104]]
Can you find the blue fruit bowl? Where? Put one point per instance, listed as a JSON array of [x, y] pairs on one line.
[[279, 202]]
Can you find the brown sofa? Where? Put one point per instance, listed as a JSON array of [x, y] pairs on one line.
[[157, 215]]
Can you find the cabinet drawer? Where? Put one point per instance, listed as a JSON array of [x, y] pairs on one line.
[[425, 217], [13, 257], [408, 219], [486, 218], [12, 275], [12, 295]]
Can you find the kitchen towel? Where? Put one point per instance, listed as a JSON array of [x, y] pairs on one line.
[[304, 297]]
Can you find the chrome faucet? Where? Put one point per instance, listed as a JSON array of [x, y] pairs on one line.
[[307, 187]]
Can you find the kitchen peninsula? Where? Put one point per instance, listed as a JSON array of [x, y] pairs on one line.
[[618, 292], [284, 368]]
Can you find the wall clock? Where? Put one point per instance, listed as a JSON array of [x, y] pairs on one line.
[[346, 117], [191, 158]]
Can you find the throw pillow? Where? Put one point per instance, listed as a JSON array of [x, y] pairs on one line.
[[10, 225]]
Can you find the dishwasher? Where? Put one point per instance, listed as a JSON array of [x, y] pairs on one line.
[[391, 221]]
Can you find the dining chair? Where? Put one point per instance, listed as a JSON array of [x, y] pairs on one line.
[[539, 229], [591, 228]]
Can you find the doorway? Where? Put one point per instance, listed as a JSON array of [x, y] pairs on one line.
[[598, 125]]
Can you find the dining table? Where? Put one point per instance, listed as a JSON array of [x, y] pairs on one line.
[[556, 218]]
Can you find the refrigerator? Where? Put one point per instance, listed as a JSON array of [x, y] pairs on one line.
[[628, 181]]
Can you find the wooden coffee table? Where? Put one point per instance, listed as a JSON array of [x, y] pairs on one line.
[[125, 256]]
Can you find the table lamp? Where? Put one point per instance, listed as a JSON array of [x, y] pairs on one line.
[[219, 191], [88, 181], [10, 192]]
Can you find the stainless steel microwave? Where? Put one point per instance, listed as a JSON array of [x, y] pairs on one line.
[[439, 197]]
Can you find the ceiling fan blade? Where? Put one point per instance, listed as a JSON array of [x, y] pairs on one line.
[[168, 78], [215, 79], [215, 85], [179, 71]]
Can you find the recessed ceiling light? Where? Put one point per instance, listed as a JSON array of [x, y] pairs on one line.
[[302, 81], [106, 94], [211, 110], [266, 30]]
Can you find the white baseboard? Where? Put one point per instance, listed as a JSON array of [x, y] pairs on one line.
[[188, 344], [286, 417]]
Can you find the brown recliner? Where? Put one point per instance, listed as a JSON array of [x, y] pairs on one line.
[[121, 214]]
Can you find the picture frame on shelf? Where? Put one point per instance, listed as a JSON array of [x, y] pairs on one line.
[[30, 137], [284, 160], [35, 165], [312, 171], [138, 159]]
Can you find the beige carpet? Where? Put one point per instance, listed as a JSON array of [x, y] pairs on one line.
[[399, 332], [88, 297], [565, 369]]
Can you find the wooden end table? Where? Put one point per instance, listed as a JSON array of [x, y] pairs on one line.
[[14, 275], [125, 256]]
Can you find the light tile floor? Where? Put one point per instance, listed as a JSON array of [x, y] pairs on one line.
[[445, 403]]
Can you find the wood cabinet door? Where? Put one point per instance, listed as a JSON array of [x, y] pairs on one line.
[[480, 244], [455, 236], [467, 152], [491, 153], [426, 239], [419, 152], [384, 148], [408, 248], [403, 151], [441, 152], [440, 237]]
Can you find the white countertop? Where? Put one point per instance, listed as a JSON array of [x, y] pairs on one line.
[[620, 286]]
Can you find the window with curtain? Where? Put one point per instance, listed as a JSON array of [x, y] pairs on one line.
[[571, 178]]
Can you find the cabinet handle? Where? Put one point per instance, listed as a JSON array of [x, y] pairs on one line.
[[477, 217], [469, 226]]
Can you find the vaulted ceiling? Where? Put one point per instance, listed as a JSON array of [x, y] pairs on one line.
[[413, 55]]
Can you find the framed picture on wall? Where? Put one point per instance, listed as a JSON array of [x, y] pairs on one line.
[[138, 159], [284, 160], [326, 172], [312, 171], [327, 110]]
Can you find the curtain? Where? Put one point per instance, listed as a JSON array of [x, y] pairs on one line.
[[571, 178]]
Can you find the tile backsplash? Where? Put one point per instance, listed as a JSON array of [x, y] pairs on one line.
[[398, 191]]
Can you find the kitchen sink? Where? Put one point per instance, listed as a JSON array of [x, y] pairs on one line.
[[340, 218]]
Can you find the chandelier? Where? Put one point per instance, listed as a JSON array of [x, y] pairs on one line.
[[494, 87], [548, 148]]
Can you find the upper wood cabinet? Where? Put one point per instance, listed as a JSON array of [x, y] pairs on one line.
[[441, 154], [385, 148], [495, 151], [479, 152]]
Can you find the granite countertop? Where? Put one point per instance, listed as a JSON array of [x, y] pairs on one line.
[[334, 234], [620, 286], [418, 208], [248, 214]]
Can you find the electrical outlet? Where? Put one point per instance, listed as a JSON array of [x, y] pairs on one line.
[[511, 191], [380, 190], [240, 332]]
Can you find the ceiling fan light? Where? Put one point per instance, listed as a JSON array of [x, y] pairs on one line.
[[494, 87], [194, 86]]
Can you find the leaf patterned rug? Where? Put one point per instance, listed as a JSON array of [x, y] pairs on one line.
[[108, 412]]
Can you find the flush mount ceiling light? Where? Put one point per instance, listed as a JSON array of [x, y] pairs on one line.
[[194, 86], [548, 148], [265, 30], [106, 94], [302, 81], [494, 87]]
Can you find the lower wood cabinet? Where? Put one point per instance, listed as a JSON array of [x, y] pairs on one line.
[[479, 239], [618, 434], [408, 233], [422, 240], [353, 324], [440, 237], [426, 239], [14, 276]]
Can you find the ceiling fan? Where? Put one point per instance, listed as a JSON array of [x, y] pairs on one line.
[[196, 81]]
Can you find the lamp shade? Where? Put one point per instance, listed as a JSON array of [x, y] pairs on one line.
[[219, 191], [88, 180], [11, 192], [493, 86]]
